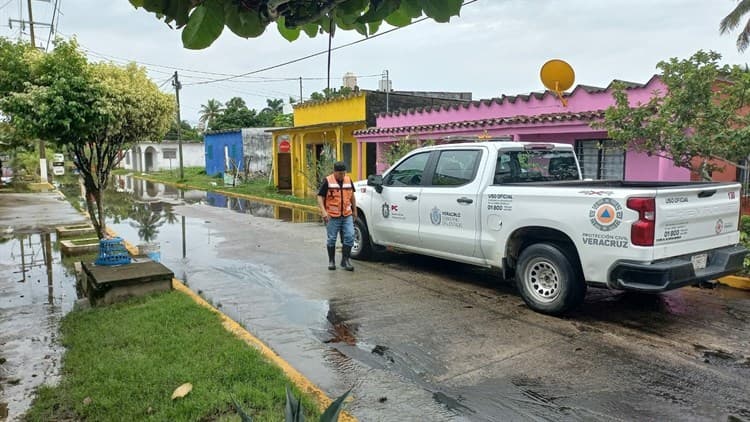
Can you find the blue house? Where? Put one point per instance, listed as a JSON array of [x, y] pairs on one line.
[[222, 146], [249, 147]]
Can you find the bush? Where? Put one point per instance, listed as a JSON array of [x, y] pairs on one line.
[[745, 240]]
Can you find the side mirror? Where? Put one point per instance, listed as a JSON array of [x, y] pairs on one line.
[[376, 181]]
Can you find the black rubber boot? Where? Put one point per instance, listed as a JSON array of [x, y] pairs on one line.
[[331, 257], [345, 264]]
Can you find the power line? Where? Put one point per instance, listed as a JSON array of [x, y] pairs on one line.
[[52, 28], [320, 53], [257, 79], [6, 4]]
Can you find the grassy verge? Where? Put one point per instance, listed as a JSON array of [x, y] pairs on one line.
[[123, 362], [196, 177]]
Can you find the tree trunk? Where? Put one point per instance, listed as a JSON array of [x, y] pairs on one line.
[[705, 174], [92, 206], [102, 217]]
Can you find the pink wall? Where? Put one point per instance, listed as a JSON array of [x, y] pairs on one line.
[[638, 166], [579, 100]]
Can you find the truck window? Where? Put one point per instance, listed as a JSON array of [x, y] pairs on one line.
[[535, 166], [455, 168], [409, 172]]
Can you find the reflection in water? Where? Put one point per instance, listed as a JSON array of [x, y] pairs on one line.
[[146, 221]]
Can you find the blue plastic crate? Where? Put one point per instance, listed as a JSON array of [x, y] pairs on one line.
[[112, 252]]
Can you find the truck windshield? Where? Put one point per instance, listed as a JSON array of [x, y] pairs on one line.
[[535, 166]]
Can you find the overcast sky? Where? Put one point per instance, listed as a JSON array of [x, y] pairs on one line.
[[496, 47]]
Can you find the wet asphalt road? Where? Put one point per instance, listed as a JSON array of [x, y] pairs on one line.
[[418, 338], [426, 339]]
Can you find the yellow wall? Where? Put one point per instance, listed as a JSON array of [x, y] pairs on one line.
[[340, 110]]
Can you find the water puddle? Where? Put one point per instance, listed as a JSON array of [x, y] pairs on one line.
[[38, 289]]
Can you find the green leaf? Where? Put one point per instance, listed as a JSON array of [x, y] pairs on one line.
[[331, 414], [441, 10], [244, 417], [398, 18], [137, 3], [243, 23], [293, 410], [311, 29], [352, 7], [374, 26], [179, 10], [411, 8], [204, 26], [379, 11], [290, 34]]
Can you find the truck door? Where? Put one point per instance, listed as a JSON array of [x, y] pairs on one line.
[[396, 222], [450, 203]]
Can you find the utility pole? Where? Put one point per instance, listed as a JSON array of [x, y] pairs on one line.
[[42, 147], [177, 86], [31, 25], [300, 89], [387, 91]]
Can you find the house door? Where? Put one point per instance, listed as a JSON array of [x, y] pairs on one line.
[[285, 171]]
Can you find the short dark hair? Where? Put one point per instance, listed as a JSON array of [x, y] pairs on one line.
[[339, 166]]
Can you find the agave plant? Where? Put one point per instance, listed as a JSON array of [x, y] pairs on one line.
[[294, 412]]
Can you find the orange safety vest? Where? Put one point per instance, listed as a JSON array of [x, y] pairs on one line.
[[339, 198]]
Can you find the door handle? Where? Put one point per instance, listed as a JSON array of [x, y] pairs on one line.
[[410, 197], [464, 200]]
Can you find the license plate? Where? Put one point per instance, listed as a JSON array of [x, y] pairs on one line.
[[699, 261]]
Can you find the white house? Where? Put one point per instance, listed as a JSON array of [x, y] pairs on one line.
[[152, 156]]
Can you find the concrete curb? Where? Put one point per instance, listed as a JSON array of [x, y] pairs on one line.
[[737, 282], [303, 207], [302, 382]]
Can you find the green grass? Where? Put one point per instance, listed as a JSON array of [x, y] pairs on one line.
[[197, 177], [129, 358]]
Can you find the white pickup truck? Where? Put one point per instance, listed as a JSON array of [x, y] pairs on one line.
[[523, 208]]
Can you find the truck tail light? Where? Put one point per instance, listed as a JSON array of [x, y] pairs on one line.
[[642, 231]]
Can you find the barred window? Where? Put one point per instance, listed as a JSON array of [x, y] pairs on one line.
[[600, 159]]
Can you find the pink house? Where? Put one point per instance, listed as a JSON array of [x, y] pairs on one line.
[[537, 117]]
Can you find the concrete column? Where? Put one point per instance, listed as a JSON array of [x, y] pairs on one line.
[[339, 133]]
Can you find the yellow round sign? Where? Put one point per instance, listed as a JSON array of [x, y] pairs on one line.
[[557, 75]]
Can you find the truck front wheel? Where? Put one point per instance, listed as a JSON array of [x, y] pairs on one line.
[[548, 280], [362, 248]]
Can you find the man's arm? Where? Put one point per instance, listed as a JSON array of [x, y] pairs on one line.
[[354, 206], [322, 200]]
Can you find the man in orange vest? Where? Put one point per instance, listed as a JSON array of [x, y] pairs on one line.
[[338, 209]]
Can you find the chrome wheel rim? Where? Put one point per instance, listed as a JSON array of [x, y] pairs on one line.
[[542, 280], [357, 246]]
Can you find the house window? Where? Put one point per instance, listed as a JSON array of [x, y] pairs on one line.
[[210, 152], [347, 149], [601, 159], [169, 154]]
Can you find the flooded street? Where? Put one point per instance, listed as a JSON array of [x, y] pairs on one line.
[[426, 339], [420, 338], [36, 290]]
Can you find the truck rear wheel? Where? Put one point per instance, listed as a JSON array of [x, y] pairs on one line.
[[362, 249], [548, 280]]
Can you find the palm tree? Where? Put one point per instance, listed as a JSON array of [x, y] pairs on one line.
[[210, 111], [275, 106], [732, 21]]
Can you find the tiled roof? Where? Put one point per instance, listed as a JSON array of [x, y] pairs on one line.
[[514, 98], [485, 123]]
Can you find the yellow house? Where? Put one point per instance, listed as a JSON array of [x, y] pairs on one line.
[[316, 124], [332, 122]]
